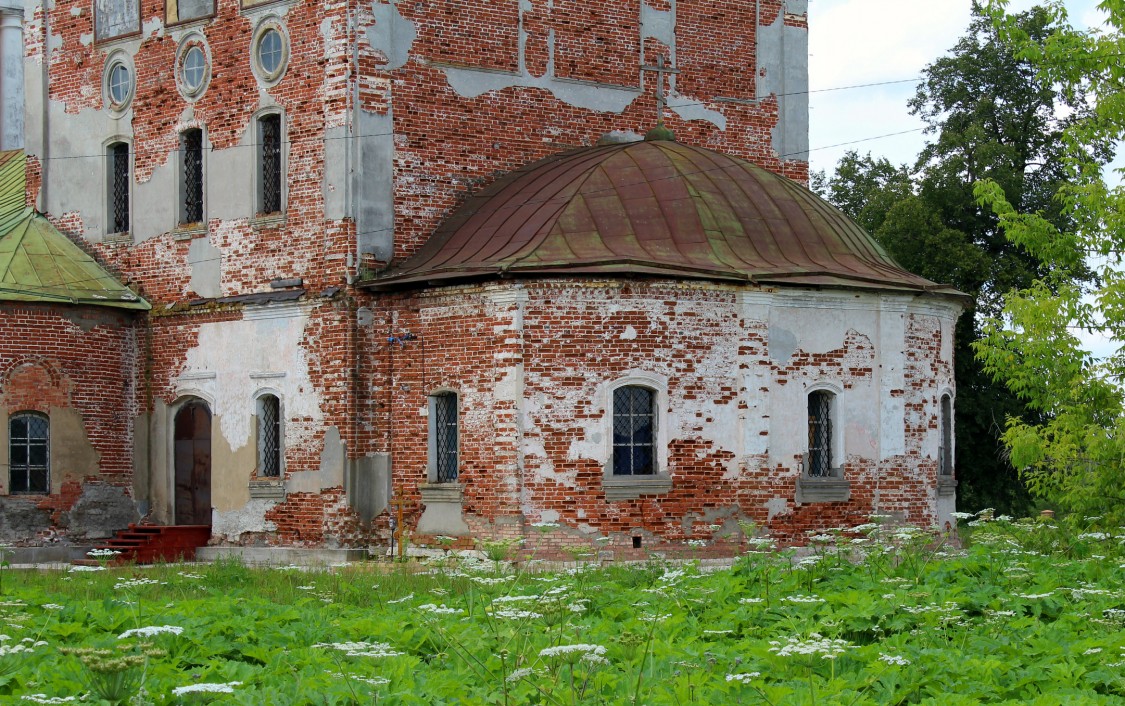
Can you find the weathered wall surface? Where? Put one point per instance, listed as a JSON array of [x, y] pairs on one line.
[[78, 367], [534, 365]]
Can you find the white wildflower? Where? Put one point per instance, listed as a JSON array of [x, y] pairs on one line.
[[798, 598], [150, 631], [44, 699], [509, 614], [52, 606], [521, 673], [893, 659], [102, 553], [962, 515], [401, 600], [438, 609], [127, 584], [77, 569], [206, 688], [1092, 651], [361, 649], [826, 648], [751, 600], [577, 651], [745, 678]]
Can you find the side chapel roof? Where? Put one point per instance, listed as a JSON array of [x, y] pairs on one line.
[[657, 208], [40, 264]]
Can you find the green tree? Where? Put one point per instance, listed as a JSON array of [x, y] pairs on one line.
[[990, 115], [1072, 447]]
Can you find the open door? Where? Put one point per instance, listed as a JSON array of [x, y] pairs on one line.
[[193, 464]]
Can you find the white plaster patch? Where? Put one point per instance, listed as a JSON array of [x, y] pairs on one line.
[[776, 506], [261, 344], [250, 518], [392, 35], [629, 333]]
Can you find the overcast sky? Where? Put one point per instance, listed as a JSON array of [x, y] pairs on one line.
[[855, 42]]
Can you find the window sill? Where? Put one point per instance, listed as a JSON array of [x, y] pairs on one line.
[[441, 493], [119, 238], [823, 490], [267, 489], [946, 486], [189, 231], [632, 487], [268, 220]]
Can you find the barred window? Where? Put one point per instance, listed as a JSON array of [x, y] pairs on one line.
[[29, 460], [634, 431], [119, 178], [443, 437], [269, 163], [191, 151], [269, 436], [945, 450], [820, 434]]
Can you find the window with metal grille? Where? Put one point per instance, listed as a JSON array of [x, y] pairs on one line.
[[29, 462], [443, 436], [945, 451], [119, 187], [269, 155], [269, 435], [634, 431], [191, 149], [820, 434]]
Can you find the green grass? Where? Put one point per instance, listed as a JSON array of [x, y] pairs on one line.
[[1028, 613]]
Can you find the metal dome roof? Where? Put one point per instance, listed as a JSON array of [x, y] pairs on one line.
[[657, 208]]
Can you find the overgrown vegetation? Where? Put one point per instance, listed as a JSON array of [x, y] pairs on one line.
[[1029, 612]]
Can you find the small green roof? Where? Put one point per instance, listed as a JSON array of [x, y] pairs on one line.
[[40, 264]]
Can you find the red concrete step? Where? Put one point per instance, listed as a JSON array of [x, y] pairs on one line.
[[147, 544]]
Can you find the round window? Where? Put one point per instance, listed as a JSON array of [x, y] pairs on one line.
[[119, 84], [195, 69], [271, 52]]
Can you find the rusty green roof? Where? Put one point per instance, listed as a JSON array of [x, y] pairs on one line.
[[656, 208], [40, 264]]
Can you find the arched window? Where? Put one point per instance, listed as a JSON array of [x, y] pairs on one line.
[[269, 163], [819, 463], [119, 179], [634, 431], [29, 460], [191, 176], [443, 466], [945, 451], [269, 436]]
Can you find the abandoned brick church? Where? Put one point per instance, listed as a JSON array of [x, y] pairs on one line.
[[287, 268]]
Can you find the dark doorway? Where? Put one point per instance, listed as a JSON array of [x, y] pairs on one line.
[[193, 464]]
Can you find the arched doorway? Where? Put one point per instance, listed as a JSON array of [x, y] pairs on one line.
[[193, 464]]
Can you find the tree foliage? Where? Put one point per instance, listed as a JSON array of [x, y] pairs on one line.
[[1072, 448], [990, 115]]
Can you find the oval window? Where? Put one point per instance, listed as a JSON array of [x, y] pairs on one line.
[[271, 52], [195, 69], [119, 85]]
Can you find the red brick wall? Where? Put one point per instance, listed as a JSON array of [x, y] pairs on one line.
[[80, 358], [577, 337]]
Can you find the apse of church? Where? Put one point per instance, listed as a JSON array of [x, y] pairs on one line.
[[654, 343]]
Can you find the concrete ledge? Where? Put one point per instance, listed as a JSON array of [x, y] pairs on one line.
[[630, 487], [823, 490], [45, 555], [281, 556], [946, 486]]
